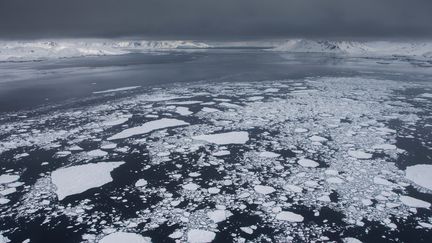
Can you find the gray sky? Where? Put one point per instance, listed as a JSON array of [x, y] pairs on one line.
[[215, 18]]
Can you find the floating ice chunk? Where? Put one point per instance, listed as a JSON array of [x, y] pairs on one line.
[[422, 224], [115, 122], [148, 127], [75, 148], [300, 130], [414, 202], [247, 230], [190, 187], [63, 153], [188, 102], [381, 181], [109, 146], [209, 110], [221, 153], [334, 180], [213, 190], [4, 201], [229, 105], [289, 216], [200, 236], [97, 153], [116, 90], [255, 98], [317, 139], [359, 154], [351, 240], [426, 95], [176, 235], [385, 146], [218, 216], [141, 183], [307, 163], [271, 90], [293, 188], [268, 154], [8, 191], [324, 198], [8, 178], [4, 239], [367, 202], [331, 172], [77, 179], [264, 189], [184, 111], [125, 237], [420, 175], [225, 138]]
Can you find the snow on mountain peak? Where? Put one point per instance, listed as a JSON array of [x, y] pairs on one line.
[[42, 50], [373, 48]]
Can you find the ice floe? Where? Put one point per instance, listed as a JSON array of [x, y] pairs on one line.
[[420, 175], [225, 138], [148, 127], [77, 179]]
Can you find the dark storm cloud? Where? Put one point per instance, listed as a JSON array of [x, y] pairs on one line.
[[215, 18]]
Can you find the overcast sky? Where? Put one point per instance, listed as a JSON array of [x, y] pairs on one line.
[[215, 18]]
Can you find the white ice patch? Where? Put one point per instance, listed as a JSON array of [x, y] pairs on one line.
[[184, 111], [97, 153], [115, 122], [289, 216], [420, 175], [318, 139], [200, 236], [191, 187], [414, 202], [307, 163], [359, 154], [125, 237], [148, 127], [116, 90], [8, 178], [264, 189], [218, 216], [293, 188], [77, 179], [225, 138], [209, 110], [141, 183], [351, 240], [268, 154]]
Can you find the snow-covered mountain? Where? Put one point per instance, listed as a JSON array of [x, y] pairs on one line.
[[367, 48], [42, 50]]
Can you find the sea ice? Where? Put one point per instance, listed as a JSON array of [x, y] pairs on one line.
[[115, 90], [8, 178], [289, 216], [359, 154], [414, 202], [420, 175], [77, 179], [118, 237], [97, 153], [200, 236], [184, 111], [148, 127], [190, 187], [307, 163], [225, 138], [219, 215], [268, 154], [264, 189]]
